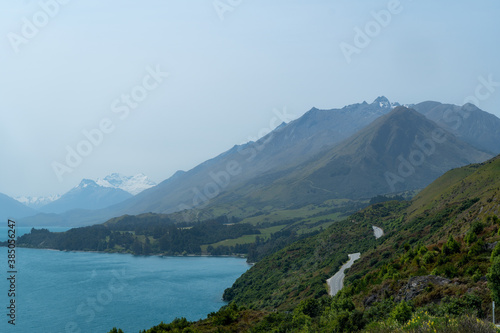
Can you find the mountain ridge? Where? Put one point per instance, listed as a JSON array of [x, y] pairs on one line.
[[357, 168], [86, 195], [288, 146]]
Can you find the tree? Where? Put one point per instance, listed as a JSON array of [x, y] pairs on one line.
[[115, 330], [137, 247], [310, 307], [451, 246], [494, 279], [495, 252]]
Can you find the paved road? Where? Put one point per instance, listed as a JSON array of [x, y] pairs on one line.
[[378, 232], [336, 282]]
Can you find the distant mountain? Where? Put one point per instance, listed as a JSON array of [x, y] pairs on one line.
[[13, 209], [400, 151], [469, 123], [288, 145], [242, 172], [131, 184], [87, 195], [36, 202]]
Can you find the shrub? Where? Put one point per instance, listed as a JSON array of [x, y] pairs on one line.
[[225, 316], [402, 312], [449, 270], [495, 252], [429, 257], [470, 238], [451, 246], [494, 279], [310, 307], [467, 304], [476, 249], [477, 227]]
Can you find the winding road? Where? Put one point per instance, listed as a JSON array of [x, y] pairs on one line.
[[336, 282]]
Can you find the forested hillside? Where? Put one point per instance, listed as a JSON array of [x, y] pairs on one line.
[[437, 268]]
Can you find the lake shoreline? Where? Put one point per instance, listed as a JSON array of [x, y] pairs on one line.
[[240, 256], [134, 292]]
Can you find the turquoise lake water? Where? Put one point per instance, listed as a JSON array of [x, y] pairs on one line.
[[93, 292]]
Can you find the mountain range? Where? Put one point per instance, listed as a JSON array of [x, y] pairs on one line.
[[37, 202], [13, 209], [88, 195], [131, 184], [436, 264], [400, 151], [356, 152], [285, 152]]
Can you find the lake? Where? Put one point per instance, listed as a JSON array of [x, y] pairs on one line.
[[93, 292]]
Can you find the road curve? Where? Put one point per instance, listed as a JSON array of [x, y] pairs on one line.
[[378, 232], [336, 282]]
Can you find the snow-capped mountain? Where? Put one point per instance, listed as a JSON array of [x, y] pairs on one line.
[[131, 184], [87, 195], [101, 193], [383, 102], [37, 202]]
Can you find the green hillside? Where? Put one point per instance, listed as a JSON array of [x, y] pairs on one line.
[[436, 268]]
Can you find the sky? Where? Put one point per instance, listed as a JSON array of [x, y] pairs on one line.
[[88, 88]]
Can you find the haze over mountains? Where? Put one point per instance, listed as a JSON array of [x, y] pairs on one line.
[[398, 152], [88, 195], [13, 209], [468, 123], [91, 195], [37, 202], [356, 152]]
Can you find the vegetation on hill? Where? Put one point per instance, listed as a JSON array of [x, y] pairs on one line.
[[255, 236], [436, 269], [146, 234]]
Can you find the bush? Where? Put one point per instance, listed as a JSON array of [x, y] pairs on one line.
[[467, 304], [423, 250], [402, 312], [345, 321], [477, 228], [448, 270], [429, 257], [470, 238], [494, 279], [310, 307], [225, 316], [379, 310], [495, 252], [476, 248], [451, 246], [423, 322]]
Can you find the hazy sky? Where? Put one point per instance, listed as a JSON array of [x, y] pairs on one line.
[[72, 66]]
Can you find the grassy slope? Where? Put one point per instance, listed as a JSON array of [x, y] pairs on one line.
[[413, 245], [298, 271]]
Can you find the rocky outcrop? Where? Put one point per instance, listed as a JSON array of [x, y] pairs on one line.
[[417, 285]]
